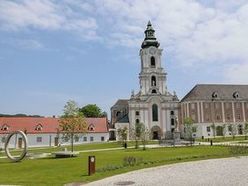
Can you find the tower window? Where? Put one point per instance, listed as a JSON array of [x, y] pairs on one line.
[[153, 62], [154, 112], [172, 121], [137, 121], [153, 81], [172, 112], [137, 113]]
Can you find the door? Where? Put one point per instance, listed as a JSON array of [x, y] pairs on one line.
[[155, 135], [219, 131]]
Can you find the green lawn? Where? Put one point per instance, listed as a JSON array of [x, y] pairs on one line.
[[52, 171], [223, 139], [87, 146]]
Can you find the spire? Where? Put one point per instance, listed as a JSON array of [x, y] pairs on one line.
[[150, 39]]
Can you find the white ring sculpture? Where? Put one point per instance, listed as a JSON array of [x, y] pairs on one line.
[[24, 152]]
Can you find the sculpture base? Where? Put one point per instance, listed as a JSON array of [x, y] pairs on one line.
[[176, 137]]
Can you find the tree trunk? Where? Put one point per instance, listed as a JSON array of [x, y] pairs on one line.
[[136, 143], [72, 136]]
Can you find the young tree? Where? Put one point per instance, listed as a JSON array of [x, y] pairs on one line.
[[246, 130], [232, 128], [72, 122], [214, 129], [122, 134], [140, 133], [145, 135], [188, 124], [224, 129], [136, 133], [91, 111]]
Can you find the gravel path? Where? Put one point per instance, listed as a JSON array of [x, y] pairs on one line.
[[216, 172]]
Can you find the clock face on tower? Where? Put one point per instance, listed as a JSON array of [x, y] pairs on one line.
[[152, 51]]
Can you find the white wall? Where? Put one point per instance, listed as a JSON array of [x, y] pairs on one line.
[[49, 139]]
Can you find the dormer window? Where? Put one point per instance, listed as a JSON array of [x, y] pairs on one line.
[[235, 95], [214, 95], [5, 127], [91, 127], [39, 127]]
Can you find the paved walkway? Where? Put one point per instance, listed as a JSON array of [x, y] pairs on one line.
[[215, 172]]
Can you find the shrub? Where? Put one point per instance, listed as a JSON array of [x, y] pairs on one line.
[[109, 168], [131, 161]]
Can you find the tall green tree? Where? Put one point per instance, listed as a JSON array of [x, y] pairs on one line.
[[72, 122], [92, 111]]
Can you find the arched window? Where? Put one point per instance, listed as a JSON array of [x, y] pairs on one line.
[[172, 112], [154, 112], [153, 81], [137, 121], [154, 91], [153, 64]]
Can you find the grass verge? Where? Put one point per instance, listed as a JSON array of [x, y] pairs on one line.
[[51, 171]]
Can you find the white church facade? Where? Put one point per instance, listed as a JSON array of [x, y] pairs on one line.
[[153, 105]]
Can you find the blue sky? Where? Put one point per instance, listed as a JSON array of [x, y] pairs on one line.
[[88, 51]]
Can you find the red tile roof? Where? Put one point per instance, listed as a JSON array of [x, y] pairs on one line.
[[49, 125]]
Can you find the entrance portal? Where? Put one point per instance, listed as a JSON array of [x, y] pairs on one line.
[[156, 132], [155, 135]]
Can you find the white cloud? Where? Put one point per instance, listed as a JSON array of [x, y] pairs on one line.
[[198, 35], [236, 73], [22, 43], [29, 44], [45, 15]]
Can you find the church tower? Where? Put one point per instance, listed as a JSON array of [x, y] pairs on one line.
[[153, 105], [152, 76]]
